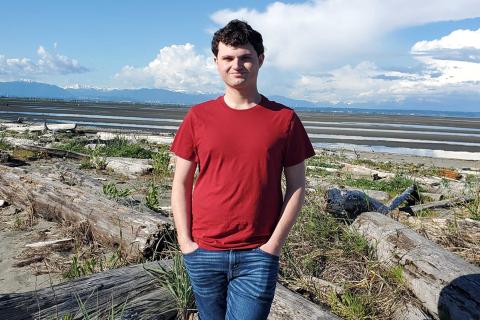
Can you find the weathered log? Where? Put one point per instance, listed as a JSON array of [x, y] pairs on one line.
[[364, 171], [134, 289], [447, 203], [410, 312], [61, 127], [24, 127], [289, 305], [350, 203], [70, 175], [410, 195], [158, 139], [129, 166], [131, 288], [51, 243], [110, 223], [54, 152], [448, 287]]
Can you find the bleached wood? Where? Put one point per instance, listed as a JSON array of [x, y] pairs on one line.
[[446, 284], [110, 223], [129, 166]]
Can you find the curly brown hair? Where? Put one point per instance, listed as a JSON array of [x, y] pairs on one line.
[[237, 33]]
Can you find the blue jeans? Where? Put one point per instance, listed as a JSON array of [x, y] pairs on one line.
[[232, 284]]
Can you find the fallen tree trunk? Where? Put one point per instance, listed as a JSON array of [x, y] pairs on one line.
[[350, 203], [289, 305], [70, 175], [134, 290], [447, 203], [54, 152], [136, 233], [129, 166], [131, 288], [448, 287]]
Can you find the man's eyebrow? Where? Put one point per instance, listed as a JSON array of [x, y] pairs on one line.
[[246, 55]]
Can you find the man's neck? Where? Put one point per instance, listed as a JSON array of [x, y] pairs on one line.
[[242, 99]]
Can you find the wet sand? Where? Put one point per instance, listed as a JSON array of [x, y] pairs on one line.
[[398, 131]]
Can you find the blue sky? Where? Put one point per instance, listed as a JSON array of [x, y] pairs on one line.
[[325, 51]]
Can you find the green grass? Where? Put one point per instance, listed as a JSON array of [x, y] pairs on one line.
[[426, 213], [110, 189], [350, 305], [4, 145], [393, 186], [161, 161], [177, 282], [151, 198], [82, 267], [383, 166], [320, 245], [118, 147]]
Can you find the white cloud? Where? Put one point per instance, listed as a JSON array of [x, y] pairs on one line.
[[458, 39], [177, 67], [460, 45], [47, 64], [318, 33], [455, 57]]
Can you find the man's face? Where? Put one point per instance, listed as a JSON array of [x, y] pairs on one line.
[[238, 66]]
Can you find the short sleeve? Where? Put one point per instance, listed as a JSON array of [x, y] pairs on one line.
[[298, 145], [183, 144]]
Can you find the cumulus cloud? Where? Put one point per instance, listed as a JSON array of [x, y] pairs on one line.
[[444, 70], [315, 34], [460, 45], [176, 67], [47, 64]]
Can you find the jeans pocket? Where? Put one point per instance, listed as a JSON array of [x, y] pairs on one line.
[[190, 253], [267, 254]]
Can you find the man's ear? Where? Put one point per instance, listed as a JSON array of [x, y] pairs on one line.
[[260, 59], [215, 60]]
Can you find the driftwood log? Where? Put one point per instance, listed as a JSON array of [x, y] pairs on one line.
[[69, 174], [447, 203], [133, 289], [448, 287], [136, 233], [130, 287], [54, 152], [349, 204]]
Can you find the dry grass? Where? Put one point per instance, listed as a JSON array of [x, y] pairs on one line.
[[353, 284]]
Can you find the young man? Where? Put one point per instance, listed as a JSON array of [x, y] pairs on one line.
[[232, 227]]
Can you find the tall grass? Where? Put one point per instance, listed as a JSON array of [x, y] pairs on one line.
[[321, 246], [177, 282]]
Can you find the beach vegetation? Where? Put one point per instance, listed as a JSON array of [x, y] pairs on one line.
[[22, 154], [161, 162], [387, 166], [121, 147], [426, 213], [110, 189], [325, 247], [151, 198], [80, 267], [393, 186], [177, 282], [4, 145]]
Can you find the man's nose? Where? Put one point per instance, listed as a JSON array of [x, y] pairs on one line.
[[236, 63]]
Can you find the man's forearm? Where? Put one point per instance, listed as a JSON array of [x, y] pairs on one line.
[[181, 208], [292, 205]]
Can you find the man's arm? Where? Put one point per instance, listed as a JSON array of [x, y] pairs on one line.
[[293, 202], [182, 202]]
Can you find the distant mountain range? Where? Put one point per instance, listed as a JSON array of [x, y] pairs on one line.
[[452, 102], [27, 89]]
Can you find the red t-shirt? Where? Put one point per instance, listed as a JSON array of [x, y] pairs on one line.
[[237, 197]]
